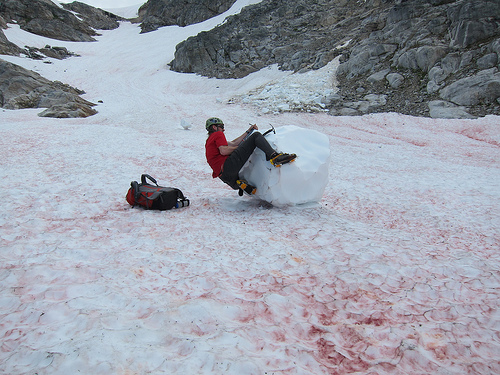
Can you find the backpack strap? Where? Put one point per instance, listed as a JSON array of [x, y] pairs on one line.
[[179, 193], [153, 196], [135, 189], [146, 176], [160, 190]]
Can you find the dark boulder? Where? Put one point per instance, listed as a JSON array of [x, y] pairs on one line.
[[21, 88]]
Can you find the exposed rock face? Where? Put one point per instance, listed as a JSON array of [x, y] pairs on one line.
[[8, 48], [94, 17], [43, 17], [59, 53], [158, 13], [445, 54], [293, 34], [22, 88], [402, 56]]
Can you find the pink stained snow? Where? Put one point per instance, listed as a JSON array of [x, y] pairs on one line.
[[395, 271]]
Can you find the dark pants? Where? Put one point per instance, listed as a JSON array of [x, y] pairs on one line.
[[239, 157]]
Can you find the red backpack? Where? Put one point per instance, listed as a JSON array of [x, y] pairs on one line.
[[153, 196]]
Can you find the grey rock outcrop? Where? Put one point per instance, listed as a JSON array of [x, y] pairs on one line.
[[446, 59], [96, 18], [43, 17], [59, 53], [158, 13], [444, 109], [296, 35], [8, 48], [411, 52], [483, 87], [22, 88]]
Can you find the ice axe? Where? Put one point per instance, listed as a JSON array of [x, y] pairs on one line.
[[265, 133], [269, 131]]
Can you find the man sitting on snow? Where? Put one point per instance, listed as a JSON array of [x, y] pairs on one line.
[[227, 158]]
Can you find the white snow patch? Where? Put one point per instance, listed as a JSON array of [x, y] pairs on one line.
[[127, 12]]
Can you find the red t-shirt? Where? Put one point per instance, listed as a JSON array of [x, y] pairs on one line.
[[214, 158]]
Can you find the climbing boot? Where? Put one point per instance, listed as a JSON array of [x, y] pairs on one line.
[[279, 159], [246, 187]]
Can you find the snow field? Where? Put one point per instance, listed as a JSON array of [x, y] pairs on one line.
[[381, 276]]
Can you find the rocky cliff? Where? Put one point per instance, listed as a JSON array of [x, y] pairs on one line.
[[43, 17], [436, 58], [158, 13], [21, 88], [94, 17]]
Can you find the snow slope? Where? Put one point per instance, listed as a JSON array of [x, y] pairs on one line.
[[396, 271]]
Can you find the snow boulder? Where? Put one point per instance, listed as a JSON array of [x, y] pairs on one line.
[[302, 181]]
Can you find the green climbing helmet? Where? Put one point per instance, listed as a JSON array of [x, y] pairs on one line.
[[213, 121]]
